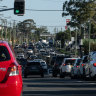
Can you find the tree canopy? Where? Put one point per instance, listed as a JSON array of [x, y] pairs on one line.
[[80, 11]]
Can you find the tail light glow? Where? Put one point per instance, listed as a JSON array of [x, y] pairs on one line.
[[94, 64], [83, 65], [64, 64], [77, 66], [14, 70]]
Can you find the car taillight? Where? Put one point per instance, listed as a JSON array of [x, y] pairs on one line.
[[83, 65], [77, 66], [64, 64], [94, 64], [14, 71]]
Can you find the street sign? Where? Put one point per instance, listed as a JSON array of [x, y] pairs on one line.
[[67, 21]]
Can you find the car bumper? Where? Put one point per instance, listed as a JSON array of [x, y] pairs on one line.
[[67, 73], [13, 87]]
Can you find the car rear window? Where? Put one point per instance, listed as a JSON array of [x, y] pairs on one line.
[[33, 64], [70, 62], [4, 54]]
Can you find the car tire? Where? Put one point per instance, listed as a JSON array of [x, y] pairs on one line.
[[54, 75], [25, 76], [42, 75], [62, 75]]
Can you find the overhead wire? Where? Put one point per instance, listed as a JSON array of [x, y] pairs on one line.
[[41, 10]]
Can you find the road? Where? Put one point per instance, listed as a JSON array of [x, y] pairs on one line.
[[49, 86]]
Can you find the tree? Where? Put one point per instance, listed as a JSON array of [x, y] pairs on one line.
[[39, 31], [26, 28], [63, 36], [79, 10]]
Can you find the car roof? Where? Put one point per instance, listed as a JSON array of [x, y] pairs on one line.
[[71, 58], [3, 42], [29, 61]]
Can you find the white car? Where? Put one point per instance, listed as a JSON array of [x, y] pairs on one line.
[[65, 68], [75, 71], [42, 52], [90, 70], [29, 51], [20, 56]]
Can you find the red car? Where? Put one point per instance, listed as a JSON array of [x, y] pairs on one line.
[[10, 72]]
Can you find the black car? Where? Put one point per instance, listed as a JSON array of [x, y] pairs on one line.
[[57, 63], [33, 68]]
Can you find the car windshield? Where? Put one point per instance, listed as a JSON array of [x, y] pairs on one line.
[[4, 54]]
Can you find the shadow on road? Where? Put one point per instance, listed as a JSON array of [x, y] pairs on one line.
[[58, 87], [60, 93]]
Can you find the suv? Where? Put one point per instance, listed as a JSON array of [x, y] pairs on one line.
[[33, 68], [65, 68], [10, 72]]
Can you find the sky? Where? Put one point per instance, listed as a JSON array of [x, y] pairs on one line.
[[51, 19]]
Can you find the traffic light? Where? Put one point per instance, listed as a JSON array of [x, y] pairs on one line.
[[19, 7]]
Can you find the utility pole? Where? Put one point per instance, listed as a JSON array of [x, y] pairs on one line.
[[76, 43], [14, 34], [10, 33], [89, 33], [1, 29], [5, 29]]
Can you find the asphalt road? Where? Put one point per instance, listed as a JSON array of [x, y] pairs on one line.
[[49, 86]]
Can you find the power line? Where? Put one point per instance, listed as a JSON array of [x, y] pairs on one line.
[[55, 0], [6, 9], [41, 10], [49, 26]]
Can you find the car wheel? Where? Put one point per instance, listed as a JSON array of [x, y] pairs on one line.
[[62, 75], [42, 75], [25, 76], [54, 75]]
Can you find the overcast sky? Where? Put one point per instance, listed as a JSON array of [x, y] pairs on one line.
[[41, 18]]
